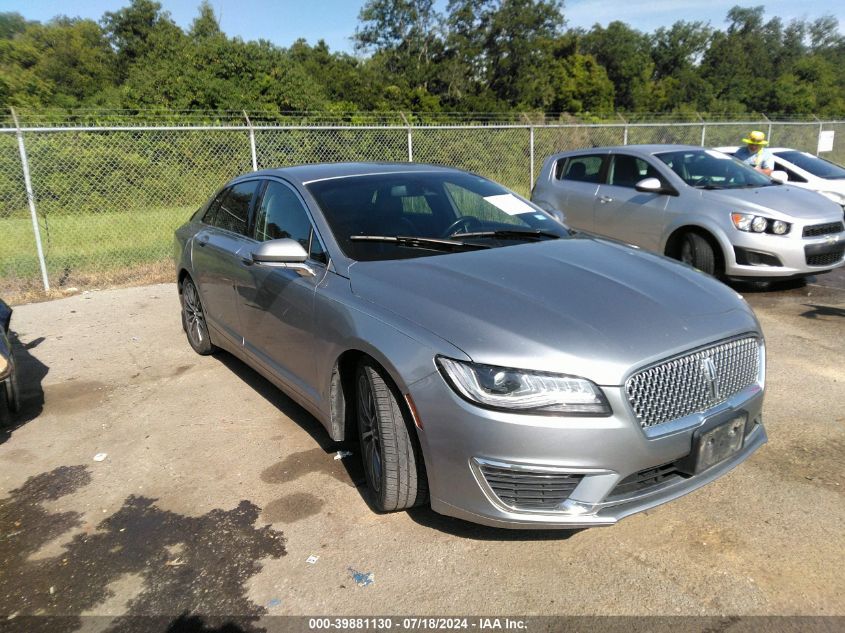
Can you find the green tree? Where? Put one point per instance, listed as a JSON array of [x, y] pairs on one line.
[[626, 55]]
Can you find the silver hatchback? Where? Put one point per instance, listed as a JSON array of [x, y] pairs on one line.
[[487, 359], [697, 205]]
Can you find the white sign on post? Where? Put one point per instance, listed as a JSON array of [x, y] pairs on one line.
[[825, 141]]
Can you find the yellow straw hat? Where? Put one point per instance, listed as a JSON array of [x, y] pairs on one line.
[[756, 138]]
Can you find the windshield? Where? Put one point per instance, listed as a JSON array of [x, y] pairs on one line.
[[813, 164], [432, 206], [708, 169]]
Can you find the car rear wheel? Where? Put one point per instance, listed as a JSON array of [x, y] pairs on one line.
[[8, 401], [698, 253], [392, 461], [193, 319]]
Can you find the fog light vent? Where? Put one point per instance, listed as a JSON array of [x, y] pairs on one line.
[[530, 489]]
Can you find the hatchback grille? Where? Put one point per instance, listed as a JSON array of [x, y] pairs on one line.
[[694, 382], [823, 229], [530, 490], [826, 259]]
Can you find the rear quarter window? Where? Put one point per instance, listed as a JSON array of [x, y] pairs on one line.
[[582, 168]]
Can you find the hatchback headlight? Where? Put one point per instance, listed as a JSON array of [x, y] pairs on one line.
[[758, 224], [522, 390]]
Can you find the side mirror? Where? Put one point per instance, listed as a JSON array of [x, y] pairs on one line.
[[649, 185], [283, 251], [779, 176]]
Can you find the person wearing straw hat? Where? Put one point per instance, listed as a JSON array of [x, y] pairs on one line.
[[755, 154]]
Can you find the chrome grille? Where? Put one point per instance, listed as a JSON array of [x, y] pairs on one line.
[[694, 382], [529, 489]]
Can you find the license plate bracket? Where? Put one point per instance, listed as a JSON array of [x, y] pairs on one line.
[[718, 443]]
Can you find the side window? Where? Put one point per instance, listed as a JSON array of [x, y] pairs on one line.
[[791, 175], [233, 211], [317, 252], [582, 169], [211, 211], [627, 171], [282, 215]]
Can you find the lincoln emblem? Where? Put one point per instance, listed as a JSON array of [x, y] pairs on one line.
[[708, 368]]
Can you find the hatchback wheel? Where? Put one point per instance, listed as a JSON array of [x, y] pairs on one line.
[[698, 253], [392, 461], [193, 319]]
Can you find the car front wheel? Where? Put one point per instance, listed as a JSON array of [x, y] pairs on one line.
[[392, 461], [698, 253]]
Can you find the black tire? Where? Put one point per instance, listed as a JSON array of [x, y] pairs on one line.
[[7, 406], [393, 463], [193, 319], [698, 253]]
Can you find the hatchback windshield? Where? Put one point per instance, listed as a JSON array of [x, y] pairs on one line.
[[708, 169], [813, 164], [372, 216]]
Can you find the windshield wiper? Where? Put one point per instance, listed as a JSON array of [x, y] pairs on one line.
[[429, 243], [510, 234]]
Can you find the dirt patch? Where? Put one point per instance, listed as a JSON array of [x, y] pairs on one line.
[[316, 460], [74, 396], [292, 508], [815, 462]]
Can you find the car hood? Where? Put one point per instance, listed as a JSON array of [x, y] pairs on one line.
[[582, 306], [779, 200]]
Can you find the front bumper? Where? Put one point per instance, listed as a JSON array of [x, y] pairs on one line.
[[458, 439], [752, 254]]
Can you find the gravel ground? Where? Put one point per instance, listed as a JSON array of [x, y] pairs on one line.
[[215, 488]]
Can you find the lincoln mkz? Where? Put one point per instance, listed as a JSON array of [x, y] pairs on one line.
[[488, 360]]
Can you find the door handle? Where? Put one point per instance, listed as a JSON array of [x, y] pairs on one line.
[[605, 199], [202, 241]]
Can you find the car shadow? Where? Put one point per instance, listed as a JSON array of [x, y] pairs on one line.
[[299, 415], [31, 373], [817, 311]]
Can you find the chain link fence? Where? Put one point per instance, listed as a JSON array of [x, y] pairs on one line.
[[104, 201]]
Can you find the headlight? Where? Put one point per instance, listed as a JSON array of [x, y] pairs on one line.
[[758, 224], [524, 391], [837, 197], [779, 227]]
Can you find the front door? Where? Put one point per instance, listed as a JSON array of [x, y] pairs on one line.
[[276, 304]]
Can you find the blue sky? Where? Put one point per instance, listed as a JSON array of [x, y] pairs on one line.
[[283, 21]]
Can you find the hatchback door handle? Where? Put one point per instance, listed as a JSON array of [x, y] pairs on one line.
[[605, 199], [202, 241]]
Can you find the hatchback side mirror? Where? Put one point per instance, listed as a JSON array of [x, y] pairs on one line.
[[649, 185], [283, 251], [779, 176]]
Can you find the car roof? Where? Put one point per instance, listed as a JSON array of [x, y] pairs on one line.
[[325, 171], [653, 148]]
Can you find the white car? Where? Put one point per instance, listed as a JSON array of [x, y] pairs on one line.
[[806, 170]]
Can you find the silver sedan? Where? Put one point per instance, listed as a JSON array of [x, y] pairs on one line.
[[488, 360], [697, 205]]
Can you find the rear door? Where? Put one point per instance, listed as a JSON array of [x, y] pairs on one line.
[[215, 258], [277, 303], [575, 185], [626, 214]]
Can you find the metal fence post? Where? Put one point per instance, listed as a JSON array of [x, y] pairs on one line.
[[769, 133], [821, 128], [30, 198], [531, 157], [251, 142], [625, 129], [703, 128], [410, 139]]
